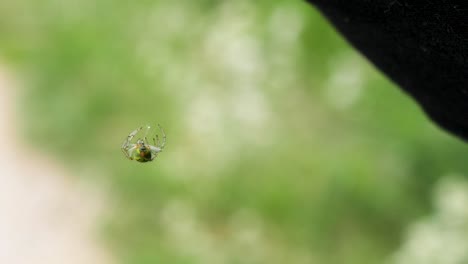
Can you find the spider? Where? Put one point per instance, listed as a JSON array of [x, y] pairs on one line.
[[142, 151]]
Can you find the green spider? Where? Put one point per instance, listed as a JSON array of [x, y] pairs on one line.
[[142, 151]]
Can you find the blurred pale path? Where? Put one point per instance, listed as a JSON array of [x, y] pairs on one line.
[[46, 215]]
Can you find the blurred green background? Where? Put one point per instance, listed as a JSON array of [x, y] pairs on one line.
[[284, 145]]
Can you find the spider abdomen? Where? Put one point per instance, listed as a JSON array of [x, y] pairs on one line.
[[143, 155]]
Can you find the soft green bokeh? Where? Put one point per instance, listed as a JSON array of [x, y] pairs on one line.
[[284, 144]]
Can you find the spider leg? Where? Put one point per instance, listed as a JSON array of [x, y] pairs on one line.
[[154, 151], [146, 133], [157, 141], [125, 146], [130, 137], [163, 143], [129, 152]]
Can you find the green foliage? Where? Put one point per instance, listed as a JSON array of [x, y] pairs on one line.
[[284, 145]]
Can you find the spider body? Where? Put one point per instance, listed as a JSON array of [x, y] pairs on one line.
[[142, 151]]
